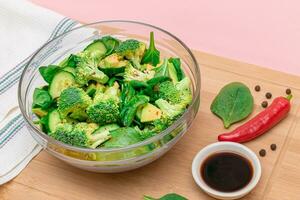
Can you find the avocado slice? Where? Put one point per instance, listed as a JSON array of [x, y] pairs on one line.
[[39, 112], [150, 113], [172, 73]]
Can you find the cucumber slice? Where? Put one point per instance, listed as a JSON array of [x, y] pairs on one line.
[[70, 69], [108, 127], [96, 48], [53, 120], [60, 81]]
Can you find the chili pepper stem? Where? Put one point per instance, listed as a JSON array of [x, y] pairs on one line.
[[289, 97]]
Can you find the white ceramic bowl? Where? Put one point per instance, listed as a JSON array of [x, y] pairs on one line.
[[226, 147]]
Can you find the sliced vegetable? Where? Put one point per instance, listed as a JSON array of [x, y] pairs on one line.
[[110, 43], [61, 81], [39, 112], [96, 48], [177, 65], [70, 69], [150, 113], [233, 103], [172, 73], [53, 120]]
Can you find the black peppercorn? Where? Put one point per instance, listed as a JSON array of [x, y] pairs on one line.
[[264, 104], [257, 88], [262, 152], [288, 91], [273, 147], [268, 95]]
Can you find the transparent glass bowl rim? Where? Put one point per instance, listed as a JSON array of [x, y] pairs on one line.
[[129, 147]]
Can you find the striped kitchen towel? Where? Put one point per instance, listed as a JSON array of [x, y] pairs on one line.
[[24, 28]]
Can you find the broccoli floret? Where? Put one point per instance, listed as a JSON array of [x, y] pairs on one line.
[[73, 100], [169, 110], [155, 127], [105, 107], [87, 69], [133, 50], [179, 93], [132, 73], [80, 135], [113, 61]]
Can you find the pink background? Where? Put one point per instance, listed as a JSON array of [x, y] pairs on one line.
[[265, 33]]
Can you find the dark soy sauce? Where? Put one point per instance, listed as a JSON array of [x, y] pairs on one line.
[[226, 172]]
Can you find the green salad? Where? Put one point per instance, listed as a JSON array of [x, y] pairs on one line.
[[112, 94]]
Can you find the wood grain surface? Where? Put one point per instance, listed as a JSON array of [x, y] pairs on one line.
[[48, 178]]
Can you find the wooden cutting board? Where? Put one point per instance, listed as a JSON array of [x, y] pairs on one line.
[[48, 178]]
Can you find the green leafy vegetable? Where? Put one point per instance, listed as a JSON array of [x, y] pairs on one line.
[[71, 61], [122, 137], [41, 98], [177, 65], [129, 110], [48, 72], [171, 196], [162, 70], [152, 54], [233, 103]]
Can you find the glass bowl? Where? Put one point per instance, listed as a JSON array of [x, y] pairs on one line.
[[116, 159]]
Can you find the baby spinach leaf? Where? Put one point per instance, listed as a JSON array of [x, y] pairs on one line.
[[151, 55], [71, 61], [41, 98], [171, 196], [177, 65], [48, 72], [122, 137], [162, 70], [129, 109], [233, 103]]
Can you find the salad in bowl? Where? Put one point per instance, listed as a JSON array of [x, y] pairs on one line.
[[112, 94], [113, 99]]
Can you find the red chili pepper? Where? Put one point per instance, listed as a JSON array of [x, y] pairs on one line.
[[261, 123]]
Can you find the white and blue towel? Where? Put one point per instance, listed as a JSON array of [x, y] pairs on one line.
[[24, 27]]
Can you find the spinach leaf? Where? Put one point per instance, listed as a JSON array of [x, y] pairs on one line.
[[129, 110], [171, 196], [152, 54], [177, 65], [48, 72], [71, 61], [122, 137], [233, 103], [138, 84], [41, 98], [162, 70]]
